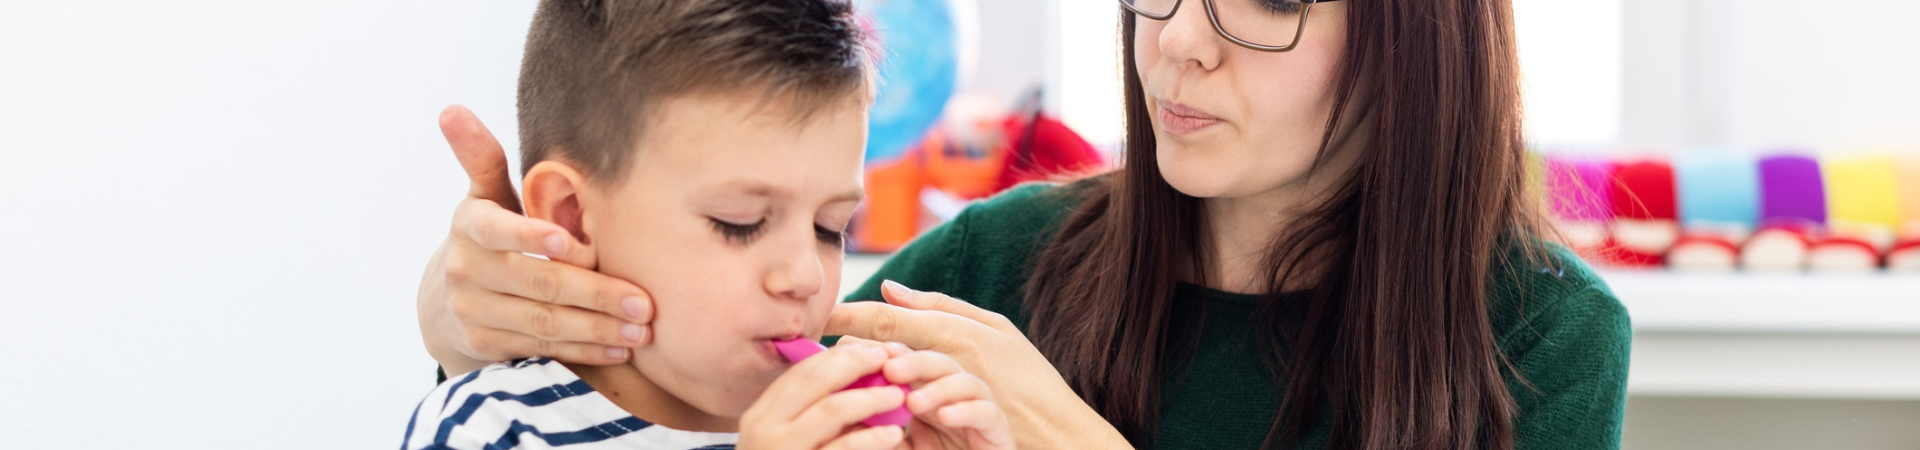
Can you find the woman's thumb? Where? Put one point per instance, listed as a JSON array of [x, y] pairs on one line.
[[481, 155]]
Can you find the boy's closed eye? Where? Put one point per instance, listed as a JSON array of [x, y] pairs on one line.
[[744, 234], [836, 238], [740, 234]]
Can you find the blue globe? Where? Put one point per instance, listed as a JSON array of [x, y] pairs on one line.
[[919, 67]]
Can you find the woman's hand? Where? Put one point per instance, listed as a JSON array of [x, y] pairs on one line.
[[952, 409], [1043, 410], [483, 299], [805, 409]]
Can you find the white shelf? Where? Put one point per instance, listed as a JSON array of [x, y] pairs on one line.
[[1775, 365], [1787, 302], [1788, 335]]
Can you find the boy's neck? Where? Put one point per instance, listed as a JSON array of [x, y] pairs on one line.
[[627, 388]]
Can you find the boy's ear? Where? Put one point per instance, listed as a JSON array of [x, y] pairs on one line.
[[552, 192]]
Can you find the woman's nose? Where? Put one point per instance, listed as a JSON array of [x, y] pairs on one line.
[[1189, 37]]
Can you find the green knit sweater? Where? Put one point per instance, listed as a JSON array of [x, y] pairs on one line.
[[1570, 339]]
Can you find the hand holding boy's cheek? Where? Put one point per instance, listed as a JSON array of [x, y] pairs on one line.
[[952, 409], [805, 409], [483, 300]]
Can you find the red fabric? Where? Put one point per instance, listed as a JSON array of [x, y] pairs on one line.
[[1051, 151], [1613, 254], [1905, 245], [1807, 231], [1902, 253], [1708, 239], [1863, 246], [1644, 190]]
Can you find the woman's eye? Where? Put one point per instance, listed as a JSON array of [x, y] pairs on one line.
[[738, 233], [1281, 6], [835, 238]]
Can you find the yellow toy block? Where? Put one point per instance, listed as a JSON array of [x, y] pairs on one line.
[[1861, 189]]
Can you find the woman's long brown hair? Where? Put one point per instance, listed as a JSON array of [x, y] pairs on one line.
[[1394, 349]]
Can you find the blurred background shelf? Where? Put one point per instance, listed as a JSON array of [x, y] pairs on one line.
[[1768, 303], [1746, 336], [1773, 336]]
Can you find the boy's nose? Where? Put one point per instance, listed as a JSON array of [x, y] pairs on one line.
[[798, 273]]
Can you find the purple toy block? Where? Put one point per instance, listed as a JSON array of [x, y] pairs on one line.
[[1577, 188], [1791, 188]]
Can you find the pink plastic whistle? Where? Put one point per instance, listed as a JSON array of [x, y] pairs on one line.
[[798, 349]]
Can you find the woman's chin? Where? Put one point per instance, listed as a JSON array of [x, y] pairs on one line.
[[1228, 171], [1195, 178], [1201, 180], [1198, 186]]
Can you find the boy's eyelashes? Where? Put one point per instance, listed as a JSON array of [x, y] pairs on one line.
[[743, 234], [738, 233], [835, 238]]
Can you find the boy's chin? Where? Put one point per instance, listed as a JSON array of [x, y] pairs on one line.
[[726, 395], [728, 402]]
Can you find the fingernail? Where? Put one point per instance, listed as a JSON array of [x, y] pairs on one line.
[[875, 353], [631, 332], [632, 305], [616, 353], [556, 245], [900, 346], [896, 287]]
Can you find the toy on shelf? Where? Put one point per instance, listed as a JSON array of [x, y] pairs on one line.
[[1781, 245], [1862, 213], [1645, 220], [1718, 211], [1905, 254], [1579, 195], [1793, 212], [1719, 208]]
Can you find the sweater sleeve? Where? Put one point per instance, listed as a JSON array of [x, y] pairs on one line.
[[1574, 355]]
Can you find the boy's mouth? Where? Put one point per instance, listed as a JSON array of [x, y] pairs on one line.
[[769, 351]]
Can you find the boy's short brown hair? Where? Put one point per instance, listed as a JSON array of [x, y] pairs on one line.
[[594, 69]]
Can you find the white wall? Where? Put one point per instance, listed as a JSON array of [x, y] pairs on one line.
[[1013, 58], [1570, 55], [1084, 78], [1750, 74], [1646, 75], [214, 214]]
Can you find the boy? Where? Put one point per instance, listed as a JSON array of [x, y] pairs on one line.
[[711, 151]]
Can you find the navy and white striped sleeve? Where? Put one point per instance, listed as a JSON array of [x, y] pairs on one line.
[[537, 404], [492, 408]]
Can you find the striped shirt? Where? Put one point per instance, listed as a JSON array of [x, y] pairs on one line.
[[535, 404]]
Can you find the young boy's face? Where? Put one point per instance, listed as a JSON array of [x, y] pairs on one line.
[[731, 216]]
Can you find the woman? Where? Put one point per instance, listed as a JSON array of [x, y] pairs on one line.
[[1320, 238]]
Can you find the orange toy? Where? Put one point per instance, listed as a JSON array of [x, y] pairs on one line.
[[891, 216]]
